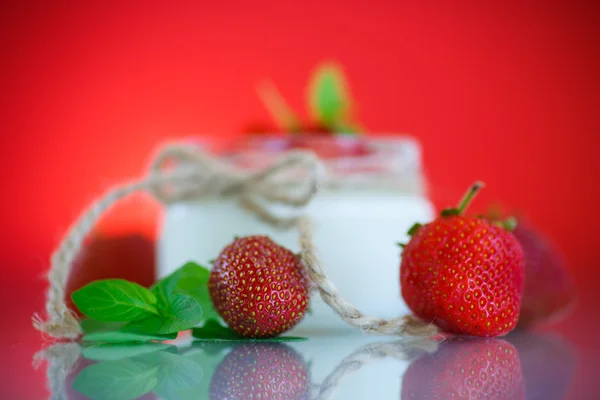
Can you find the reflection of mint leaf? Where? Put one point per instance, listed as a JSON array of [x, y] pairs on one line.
[[178, 376], [190, 279], [119, 351], [328, 97], [181, 313], [115, 300], [123, 379], [212, 331], [208, 356]]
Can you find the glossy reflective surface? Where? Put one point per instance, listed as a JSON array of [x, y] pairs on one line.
[[538, 365]]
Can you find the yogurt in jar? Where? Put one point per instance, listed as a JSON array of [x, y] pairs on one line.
[[375, 193]]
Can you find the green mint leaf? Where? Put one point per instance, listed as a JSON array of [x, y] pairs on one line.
[[115, 300], [110, 332], [413, 229], [190, 279], [212, 331], [124, 337], [90, 325], [449, 212], [181, 313], [122, 379], [328, 97], [119, 351]]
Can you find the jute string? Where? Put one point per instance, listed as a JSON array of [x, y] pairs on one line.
[[196, 173], [401, 350]]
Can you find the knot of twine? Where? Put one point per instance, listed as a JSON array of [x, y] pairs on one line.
[[196, 173]]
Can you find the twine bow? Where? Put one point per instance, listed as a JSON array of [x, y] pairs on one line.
[[196, 173]]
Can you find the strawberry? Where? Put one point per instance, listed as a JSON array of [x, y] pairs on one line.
[[549, 285], [463, 273], [258, 287], [261, 371], [465, 370]]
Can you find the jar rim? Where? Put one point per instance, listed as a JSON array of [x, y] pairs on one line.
[[350, 160]]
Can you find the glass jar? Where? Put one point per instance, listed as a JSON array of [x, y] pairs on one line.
[[375, 192]]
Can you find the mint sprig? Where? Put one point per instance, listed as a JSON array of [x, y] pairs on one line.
[[121, 311], [125, 312]]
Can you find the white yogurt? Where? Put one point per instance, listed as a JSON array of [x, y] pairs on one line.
[[356, 232]]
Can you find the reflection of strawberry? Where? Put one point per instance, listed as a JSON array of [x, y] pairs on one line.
[[466, 369], [128, 256], [463, 273], [549, 286], [261, 371]]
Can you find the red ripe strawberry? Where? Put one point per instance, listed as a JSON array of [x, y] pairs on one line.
[[259, 287], [549, 286], [465, 370], [463, 273], [261, 371]]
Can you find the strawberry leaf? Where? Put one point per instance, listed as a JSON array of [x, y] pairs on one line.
[[413, 229], [328, 97], [277, 106], [346, 127], [450, 212]]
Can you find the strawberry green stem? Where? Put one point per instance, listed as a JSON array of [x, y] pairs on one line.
[[468, 197]]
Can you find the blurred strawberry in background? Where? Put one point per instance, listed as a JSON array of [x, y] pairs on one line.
[[550, 290], [549, 285], [331, 113]]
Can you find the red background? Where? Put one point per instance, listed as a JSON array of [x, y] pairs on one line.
[[506, 92]]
